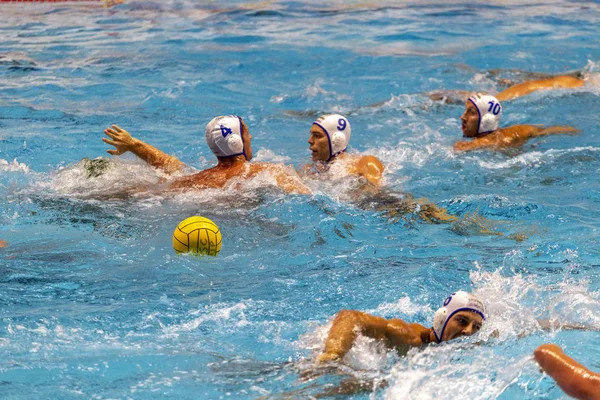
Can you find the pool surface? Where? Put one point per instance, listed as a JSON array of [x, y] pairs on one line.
[[95, 304]]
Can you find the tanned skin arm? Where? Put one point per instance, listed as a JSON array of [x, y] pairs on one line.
[[512, 136], [556, 130], [348, 324], [572, 377], [525, 88], [124, 142], [289, 183]]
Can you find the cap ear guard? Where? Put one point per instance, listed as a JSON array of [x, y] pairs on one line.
[[338, 143], [224, 136], [235, 143], [488, 123], [338, 130], [439, 318], [489, 110]]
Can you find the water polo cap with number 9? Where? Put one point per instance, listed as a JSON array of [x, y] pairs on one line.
[[337, 128]]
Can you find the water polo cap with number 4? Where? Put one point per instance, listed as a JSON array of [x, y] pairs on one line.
[[224, 136]]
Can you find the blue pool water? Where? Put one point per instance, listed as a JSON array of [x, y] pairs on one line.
[[94, 302]]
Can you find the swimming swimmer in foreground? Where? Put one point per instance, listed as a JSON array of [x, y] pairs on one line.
[[480, 122], [461, 314], [572, 377], [229, 139]]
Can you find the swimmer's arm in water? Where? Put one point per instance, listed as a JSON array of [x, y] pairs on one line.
[[124, 142], [348, 324], [450, 96], [512, 136], [565, 326], [477, 143], [371, 168], [290, 183], [555, 130], [432, 213], [572, 377], [525, 88]]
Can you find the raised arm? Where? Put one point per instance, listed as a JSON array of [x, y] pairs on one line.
[[124, 142], [572, 377], [525, 88], [371, 168]]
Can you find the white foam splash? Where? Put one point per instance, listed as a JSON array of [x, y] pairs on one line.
[[404, 306], [531, 159], [218, 313], [265, 155], [452, 372], [121, 178], [13, 166]]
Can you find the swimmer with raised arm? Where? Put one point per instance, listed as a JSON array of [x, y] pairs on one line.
[[572, 377], [229, 139], [328, 140], [480, 122], [461, 314]]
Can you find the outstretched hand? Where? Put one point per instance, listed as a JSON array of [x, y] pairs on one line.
[[121, 139]]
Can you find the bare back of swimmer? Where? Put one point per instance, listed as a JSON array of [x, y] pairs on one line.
[[229, 139]]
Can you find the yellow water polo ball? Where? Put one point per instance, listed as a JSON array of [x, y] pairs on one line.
[[198, 235]]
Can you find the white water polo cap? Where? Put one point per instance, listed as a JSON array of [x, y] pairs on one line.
[[224, 136], [337, 128], [489, 110], [459, 301]]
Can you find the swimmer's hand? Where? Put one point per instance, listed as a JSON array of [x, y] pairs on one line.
[[121, 139], [326, 357]]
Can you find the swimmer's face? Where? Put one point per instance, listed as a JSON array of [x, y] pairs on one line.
[[470, 120], [319, 144], [463, 323], [247, 138]]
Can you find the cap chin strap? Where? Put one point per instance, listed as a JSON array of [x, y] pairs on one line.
[[242, 137]]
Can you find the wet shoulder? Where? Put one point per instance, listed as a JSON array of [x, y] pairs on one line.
[[518, 131]]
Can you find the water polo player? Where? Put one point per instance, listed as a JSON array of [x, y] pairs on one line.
[[461, 314], [229, 139], [480, 122], [328, 141]]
